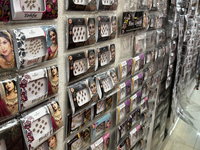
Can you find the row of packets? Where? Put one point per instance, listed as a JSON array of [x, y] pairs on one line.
[[27, 90]]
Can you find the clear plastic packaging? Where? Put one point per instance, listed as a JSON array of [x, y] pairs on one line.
[[82, 93], [83, 5], [35, 45], [107, 4]]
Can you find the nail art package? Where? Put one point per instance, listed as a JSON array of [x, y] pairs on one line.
[[121, 131], [125, 89], [135, 83], [77, 121], [80, 140], [140, 43], [150, 39], [9, 102], [134, 135], [101, 126], [81, 5], [124, 145], [80, 32], [81, 63], [34, 10], [82, 93], [126, 68], [33, 88], [131, 21], [5, 9], [35, 45], [106, 28], [101, 144], [142, 61], [106, 55], [107, 4], [103, 106], [137, 63], [106, 82]]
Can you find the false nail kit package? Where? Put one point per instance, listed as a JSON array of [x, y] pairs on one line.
[[81, 63], [80, 32], [82, 93], [9, 102], [122, 110], [33, 88], [126, 68], [34, 9], [103, 105], [106, 28], [140, 43], [121, 130], [39, 124], [79, 120], [106, 55], [81, 5], [80, 140], [101, 126], [134, 135], [50, 143], [106, 82], [5, 10], [102, 143], [107, 5], [35, 45], [125, 89]]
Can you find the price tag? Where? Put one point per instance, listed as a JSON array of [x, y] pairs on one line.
[[137, 58], [142, 102], [135, 78], [134, 96], [133, 131]]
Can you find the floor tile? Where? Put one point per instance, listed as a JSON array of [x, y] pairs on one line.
[[185, 134], [174, 145]]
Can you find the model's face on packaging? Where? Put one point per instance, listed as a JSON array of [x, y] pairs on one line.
[[52, 142], [91, 29], [114, 26], [5, 47], [9, 85], [55, 106], [53, 37], [54, 70], [92, 60], [93, 88]]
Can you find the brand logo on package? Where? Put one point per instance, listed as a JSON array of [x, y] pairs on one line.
[[31, 15]]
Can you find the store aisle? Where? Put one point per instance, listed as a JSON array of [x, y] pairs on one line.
[[184, 137]]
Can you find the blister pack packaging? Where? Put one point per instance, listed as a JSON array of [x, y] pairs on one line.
[[80, 32], [106, 82], [135, 83], [102, 144], [77, 121], [122, 110], [103, 106], [125, 144], [101, 126], [9, 103], [106, 55], [81, 5], [137, 63], [81, 63], [5, 7], [33, 88], [11, 135], [126, 69], [7, 54], [131, 21], [34, 10], [142, 61], [140, 43], [82, 93], [106, 28], [134, 135], [121, 130], [37, 127], [150, 40], [125, 89], [35, 45], [80, 140], [107, 4], [146, 73]]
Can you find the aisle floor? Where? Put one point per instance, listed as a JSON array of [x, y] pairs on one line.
[[184, 137]]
